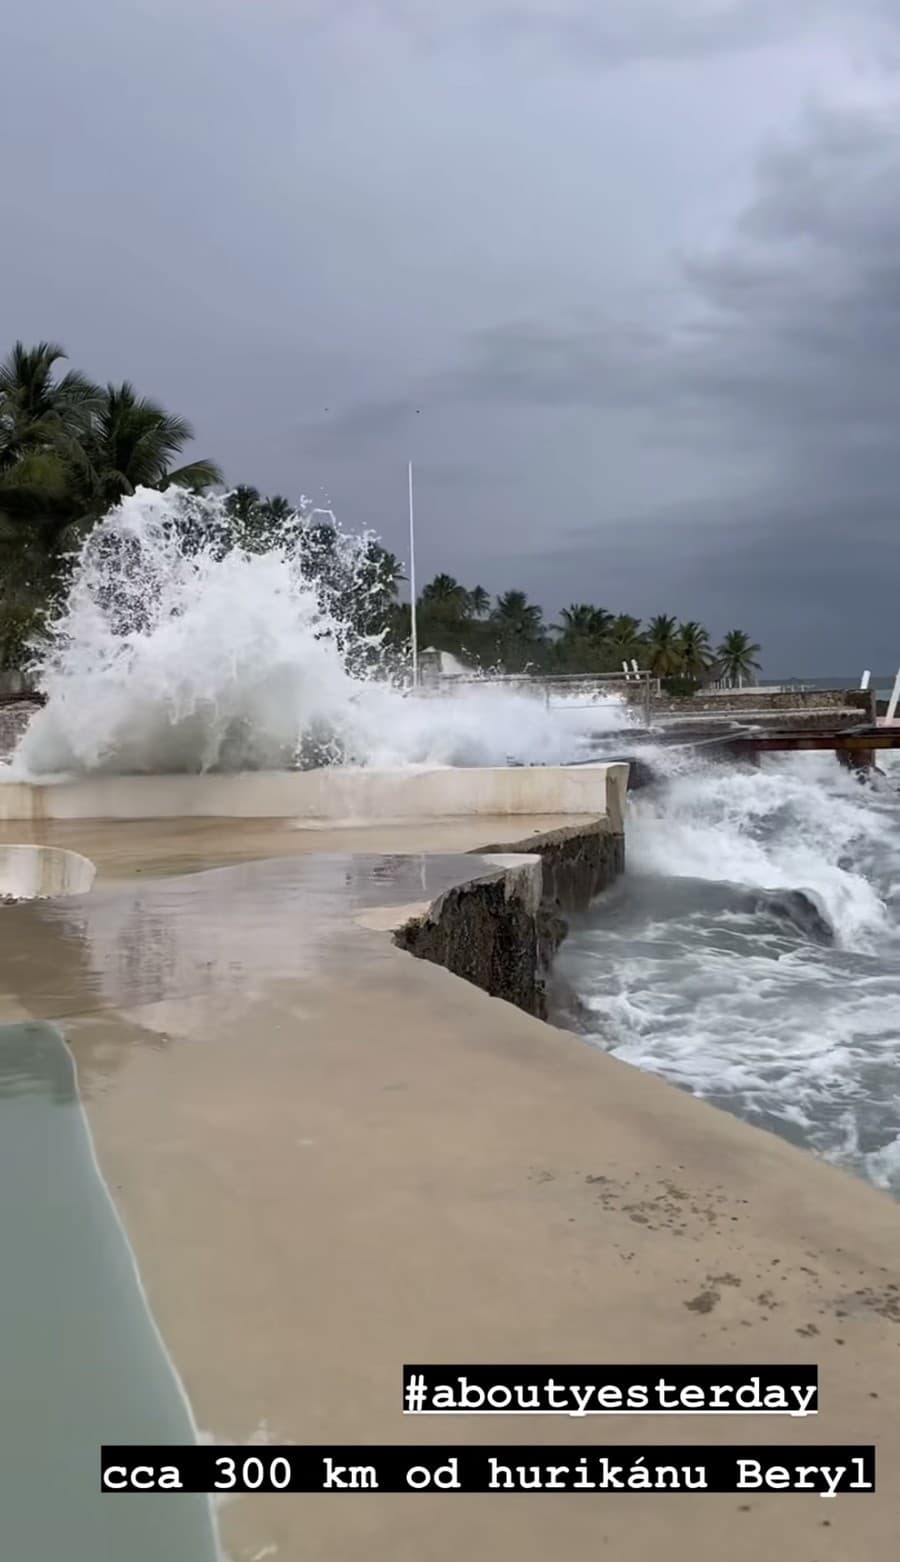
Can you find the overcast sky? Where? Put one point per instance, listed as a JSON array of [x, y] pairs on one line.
[[622, 276]]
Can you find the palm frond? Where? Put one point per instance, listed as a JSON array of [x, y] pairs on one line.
[[195, 474]]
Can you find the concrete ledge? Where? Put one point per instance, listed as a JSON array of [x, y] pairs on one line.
[[578, 860], [37, 872], [489, 931], [503, 935], [335, 794]]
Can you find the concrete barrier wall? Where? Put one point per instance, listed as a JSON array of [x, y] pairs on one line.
[[338, 795], [32, 872]]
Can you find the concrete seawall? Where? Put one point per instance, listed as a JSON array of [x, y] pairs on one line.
[[503, 936], [335, 794]]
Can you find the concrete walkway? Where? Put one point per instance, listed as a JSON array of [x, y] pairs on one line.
[[128, 849], [332, 1158]]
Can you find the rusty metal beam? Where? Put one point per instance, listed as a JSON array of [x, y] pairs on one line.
[[853, 740]]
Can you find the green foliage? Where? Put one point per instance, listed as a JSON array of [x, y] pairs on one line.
[[737, 657], [679, 684], [695, 656], [69, 450], [663, 648], [586, 639]]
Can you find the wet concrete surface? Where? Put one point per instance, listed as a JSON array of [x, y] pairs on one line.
[[332, 1158], [225, 929], [160, 848]]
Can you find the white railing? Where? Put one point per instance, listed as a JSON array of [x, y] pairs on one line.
[[547, 685]]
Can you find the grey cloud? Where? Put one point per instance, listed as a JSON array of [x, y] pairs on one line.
[[792, 338], [802, 336], [614, 33], [455, 226], [782, 378], [589, 363]]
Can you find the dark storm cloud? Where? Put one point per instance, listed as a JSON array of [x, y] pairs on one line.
[[786, 358], [803, 328], [790, 341]]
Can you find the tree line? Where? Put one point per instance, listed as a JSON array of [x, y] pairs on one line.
[[512, 630], [71, 449]]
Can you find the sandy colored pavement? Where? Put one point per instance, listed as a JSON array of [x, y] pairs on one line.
[[158, 847], [332, 1158]]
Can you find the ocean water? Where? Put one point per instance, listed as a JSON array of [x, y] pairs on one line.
[[751, 952]]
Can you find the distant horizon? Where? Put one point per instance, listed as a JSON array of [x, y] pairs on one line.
[[829, 681]]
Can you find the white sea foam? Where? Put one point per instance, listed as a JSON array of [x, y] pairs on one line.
[[795, 825], [178, 651], [712, 963]]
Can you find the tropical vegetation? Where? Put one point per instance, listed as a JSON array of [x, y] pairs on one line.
[[71, 449], [512, 632]]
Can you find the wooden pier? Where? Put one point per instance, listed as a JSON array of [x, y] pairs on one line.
[[855, 747]]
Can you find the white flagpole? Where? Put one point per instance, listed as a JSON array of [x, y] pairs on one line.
[[412, 582]]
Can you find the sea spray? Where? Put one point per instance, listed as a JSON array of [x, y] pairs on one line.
[[182, 646], [752, 953], [794, 826]]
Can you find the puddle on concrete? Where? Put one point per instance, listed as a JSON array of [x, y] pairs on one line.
[[29, 872], [81, 1362], [220, 931]]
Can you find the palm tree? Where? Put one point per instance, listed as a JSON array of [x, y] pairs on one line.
[[663, 646], [277, 510], [520, 628], [242, 503], [516, 614], [364, 593], [693, 643], [601, 623], [583, 621], [445, 598], [581, 643], [479, 602], [384, 567], [36, 407], [623, 642], [267, 522], [65, 486], [737, 657], [68, 451], [625, 630], [132, 443]]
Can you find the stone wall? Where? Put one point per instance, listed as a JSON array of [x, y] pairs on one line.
[[743, 702], [491, 939], [500, 941], [15, 714], [577, 862]]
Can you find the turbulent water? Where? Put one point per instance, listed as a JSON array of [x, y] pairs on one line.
[[751, 953], [177, 650]]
